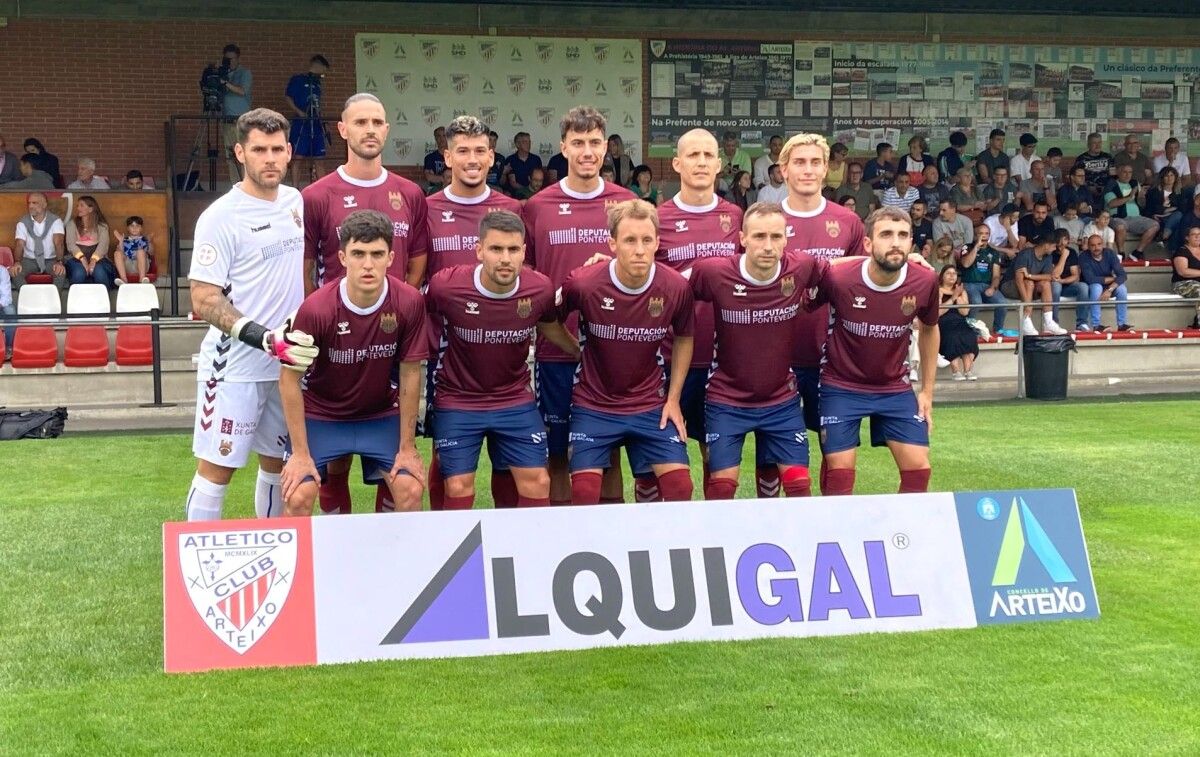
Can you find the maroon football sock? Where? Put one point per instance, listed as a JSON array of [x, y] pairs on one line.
[[383, 500], [720, 488], [504, 489], [533, 501], [913, 481], [334, 494], [837, 481], [766, 479], [459, 503], [676, 485], [585, 488], [646, 489]]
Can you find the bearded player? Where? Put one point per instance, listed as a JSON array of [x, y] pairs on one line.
[[364, 323], [488, 313], [864, 373], [249, 248], [566, 224], [361, 183]]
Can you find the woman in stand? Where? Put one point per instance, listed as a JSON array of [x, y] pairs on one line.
[[959, 343], [87, 240], [643, 185], [740, 193], [1164, 202]]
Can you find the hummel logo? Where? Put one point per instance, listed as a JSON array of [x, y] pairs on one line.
[[681, 226], [564, 208], [348, 201], [447, 216], [739, 290], [472, 308], [256, 229], [860, 303], [343, 328], [608, 304]]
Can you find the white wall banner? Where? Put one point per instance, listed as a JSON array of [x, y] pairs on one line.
[[513, 83]]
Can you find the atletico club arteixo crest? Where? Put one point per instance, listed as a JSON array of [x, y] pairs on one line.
[[238, 581]]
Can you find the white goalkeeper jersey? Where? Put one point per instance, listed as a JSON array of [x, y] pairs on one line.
[[254, 250]]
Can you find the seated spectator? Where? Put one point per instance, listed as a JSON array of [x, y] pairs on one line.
[[733, 159], [836, 176], [134, 253], [607, 174], [959, 342], [1185, 275], [1019, 165], [40, 243], [1120, 197], [1003, 236], [643, 185], [1072, 224], [776, 191], [1053, 165], [739, 194], [44, 160], [556, 169], [1105, 276], [31, 176], [9, 309], [621, 163], [87, 178], [900, 194], [846, 202], [435, 161], [1190, 220], [134, 180], [1075, 194], [763, 163], [1099, 226], [950, 224], [87, 246], [915, 161], [1132, 155], [519, 165], [980, 271], [1001, 192], [1036, 224], [1067, 279], [950, 161], [1097, 167], [537, 181], [1164, 202], [1175, 158], [966, 196], [1037, 188], [922, 228], [493, 177], [991, 158], [942, 253], [865, 199], [1032, 275], [932, 190], [10, 169], [880, 172]]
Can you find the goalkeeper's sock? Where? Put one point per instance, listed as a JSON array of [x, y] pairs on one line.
[[205, 499], [334, 494], [766, 481], [268, 495]]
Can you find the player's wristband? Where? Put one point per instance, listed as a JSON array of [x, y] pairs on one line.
[[249, 332]]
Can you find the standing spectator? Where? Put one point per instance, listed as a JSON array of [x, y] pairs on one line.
[[435, 161], [9, 169], [950, 224], [1099, 226], [992, 158], [864, 199], [1105, 277], [901, 195], [914, 162], [836, 176], [739, 194], [1037, 188], [1185, 275], [87, 246], [1097, 167], [307, 134], [979, 268], [1164, 201], [959, 343], [776, 189], [1018, 166], [763, 163], [880, 171], [1172, 156], [519, 165], [40, 243], [43, 160], [1053, 163], [1070, 222], [1036, 224], [621, 164], [966, 196], [1132, 155], [1120, 197], [733, 159], [1000, 192], [31, 176], [237, 82], [643, 185], [932, 191], [134, 181], [87, 176], [1075, 193], [1068, 280], [498, 161], [922, 233], [1032, 275], [950, 161]]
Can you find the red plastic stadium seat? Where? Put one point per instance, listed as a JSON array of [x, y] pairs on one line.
[[86, 347], [34, 347], [134, 345], [39, 278]]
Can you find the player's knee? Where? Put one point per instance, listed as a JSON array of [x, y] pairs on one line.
[[456, 486], [796, 481], [535, 484], [676, 485], [300, 504]]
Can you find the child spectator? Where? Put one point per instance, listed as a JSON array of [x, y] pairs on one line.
[[1099, 227], [135, 251]]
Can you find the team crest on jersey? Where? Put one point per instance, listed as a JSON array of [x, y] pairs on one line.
[[396, 200], [726, 221], [343, 328], [787, 286], [349, 201], [447, 216], [908, 304], [655, 306], [833, 228], [681, 226], [387, 323], [296, 217], [226, 447], [564, 208], [524, 307], [402, 147], [516, 84], [239, 587], [401, 82], [472, 308]]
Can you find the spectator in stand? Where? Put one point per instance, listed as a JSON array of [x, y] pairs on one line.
[[1075, 193], [915, 161], [238, 83], [88, 234], [880, 171], [556, 168], [922, 228], [1164, 202], [493, 177], [1067, 279], [1070, 222], [1053, 165], [621, 164], [40, 243], [1036, 224], [31, 176], [520, 164], [1032, 275], [733, 159], [1172, 156], [950, 224], [1190, 220], [1097, 167], [607, 174], [1185, 276], [941, 253], [763, 163], [992, 158], [836, 176], [900, 195], [932, 191], [435, 161], [10, 170], [1100, 226], [1018, 166], [9, 309], [87, 176], [966, 196], [644, 187], [1132, 155], [1037, 188], [1120, 197], [864, 199], [1003, 236], [776, 190], [1001, 192], [739, 194], [950, 161], [959, 343], [307, 133], [979, 268], [537, 181], [134, 181], [1105, 277], [44, 160], [134, 252]]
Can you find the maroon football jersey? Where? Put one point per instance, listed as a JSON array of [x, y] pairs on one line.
[[351, 378], [485, 337], [869, 327], [688, 233], [830, 232], [328, 200], [622, 333], [563, 229], [756, 328], [453, 225]]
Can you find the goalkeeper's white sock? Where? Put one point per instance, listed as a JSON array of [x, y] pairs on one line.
[[205, 499], [268, 496]]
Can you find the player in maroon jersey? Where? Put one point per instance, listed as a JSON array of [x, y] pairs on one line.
[[489, 312], [566, 224], [453, 233], [864, 372], [626, 310], [755, 299], [365, 323]]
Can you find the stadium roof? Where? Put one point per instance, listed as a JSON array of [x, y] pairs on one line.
[[1171, 8]]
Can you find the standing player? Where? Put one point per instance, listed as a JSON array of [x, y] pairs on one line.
[[488, 313], [361, 183], [626, 310], [755, 299], [453, 231], [249, 248], [864, 373], [364, 324], [566, 224]]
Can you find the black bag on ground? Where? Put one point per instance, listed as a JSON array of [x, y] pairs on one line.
[[32, 424]]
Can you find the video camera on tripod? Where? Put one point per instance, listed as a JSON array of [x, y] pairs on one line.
[[212, 86]]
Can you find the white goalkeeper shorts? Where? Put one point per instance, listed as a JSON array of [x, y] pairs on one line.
[[234, 419]]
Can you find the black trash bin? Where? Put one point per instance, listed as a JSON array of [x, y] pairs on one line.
[[1046, 362]]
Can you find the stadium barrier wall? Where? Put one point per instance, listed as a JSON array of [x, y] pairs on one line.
[[322, 590]]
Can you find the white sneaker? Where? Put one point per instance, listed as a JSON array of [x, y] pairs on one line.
[[914, 374], [1027, 327], [1083, 328], [1052, 326], [971, 376], [119, 282], [942, 362], [956, 376]]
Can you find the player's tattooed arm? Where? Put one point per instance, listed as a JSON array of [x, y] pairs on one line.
[[559, 337], [210, 304]]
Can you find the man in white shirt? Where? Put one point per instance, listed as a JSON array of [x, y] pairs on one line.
[[763, 163], [1018, 167], [1175, 158], [900, 194], [775, 189], [41, 242], [87, 176]]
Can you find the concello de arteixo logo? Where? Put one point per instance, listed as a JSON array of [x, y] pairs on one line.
[[1026, 556]]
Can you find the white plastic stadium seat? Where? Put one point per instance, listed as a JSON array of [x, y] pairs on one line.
[[87, 298], [36, 346], [136, 298]]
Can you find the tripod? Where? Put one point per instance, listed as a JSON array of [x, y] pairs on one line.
[[313, 133], [207, 135]]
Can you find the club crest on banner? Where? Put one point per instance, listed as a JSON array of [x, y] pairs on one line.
[[429, 48], [545, 116], [460, 82], [431, 114], [516, 84], [402, 147], [545, 51], [658, 47], [545, 86], [487, 50], [629, 85], [489, 113], [600, 52], [370, 47], [573, 84], [429, 84]]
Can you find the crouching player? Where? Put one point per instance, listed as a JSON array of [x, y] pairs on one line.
[[864, 373], [363, 323], [626, 310], [488, 313]]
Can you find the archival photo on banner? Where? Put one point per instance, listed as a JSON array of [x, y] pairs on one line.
[[515, 84]]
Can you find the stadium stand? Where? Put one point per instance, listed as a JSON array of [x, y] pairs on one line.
[[86, 345], [36, 346]]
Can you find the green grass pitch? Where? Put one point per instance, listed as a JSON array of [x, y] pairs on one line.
[[81, 629]]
